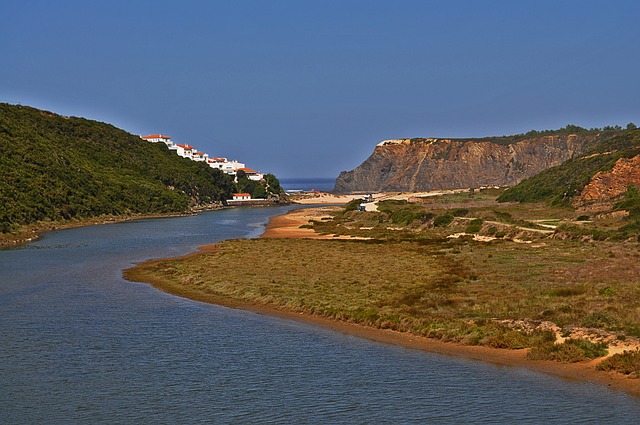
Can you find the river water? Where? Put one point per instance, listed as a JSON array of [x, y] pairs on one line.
[[78, 344]]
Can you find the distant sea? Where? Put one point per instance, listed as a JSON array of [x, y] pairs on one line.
[[307, 184]]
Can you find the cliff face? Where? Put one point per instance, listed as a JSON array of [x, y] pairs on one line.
[[606, 187], [430, 164]]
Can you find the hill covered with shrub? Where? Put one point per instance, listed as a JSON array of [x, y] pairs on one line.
[[58, 168], [562, 183]]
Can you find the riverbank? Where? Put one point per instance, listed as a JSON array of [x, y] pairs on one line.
[[288, 226], [32, 232]]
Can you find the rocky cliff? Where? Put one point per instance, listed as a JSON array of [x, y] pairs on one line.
[[606, 187], [431, 164]]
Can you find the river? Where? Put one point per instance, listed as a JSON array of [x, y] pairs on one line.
[[78, 344]]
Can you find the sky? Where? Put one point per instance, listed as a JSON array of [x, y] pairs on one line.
[[304, 88]]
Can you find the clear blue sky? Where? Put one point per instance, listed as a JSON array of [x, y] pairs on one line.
[[307, 88]]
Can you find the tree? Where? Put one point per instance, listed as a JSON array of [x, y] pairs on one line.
[[631, 126], [273, 184]]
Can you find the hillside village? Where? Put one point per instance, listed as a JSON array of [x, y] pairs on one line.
[[223, 164], [190, 152]]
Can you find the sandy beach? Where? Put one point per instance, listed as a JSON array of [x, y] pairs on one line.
[[288, 226]]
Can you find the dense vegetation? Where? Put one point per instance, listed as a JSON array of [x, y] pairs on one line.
[[559, 184], [259, 189], [601, 133], [56, 168]]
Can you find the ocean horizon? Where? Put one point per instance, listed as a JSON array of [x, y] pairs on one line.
[[307, 184]]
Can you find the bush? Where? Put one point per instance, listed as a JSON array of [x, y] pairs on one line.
[[353, 205], [443, 220], [571, 351], [598, 319], [630, 201], [628, 363], [474, 226], [460, 212]]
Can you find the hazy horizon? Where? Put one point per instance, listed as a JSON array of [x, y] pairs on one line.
[[307, 89]]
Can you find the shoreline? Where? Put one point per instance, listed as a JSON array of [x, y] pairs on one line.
[[33, 231], [288, 226]]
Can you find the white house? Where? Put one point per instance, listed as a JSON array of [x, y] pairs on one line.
[[241, 196], [199, 156], [235, 165], [226, 166], [157, 138], [185, 151], [252, 174], [220, 163], [216, 162]]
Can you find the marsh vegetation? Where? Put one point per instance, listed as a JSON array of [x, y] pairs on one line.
[[409, 276]]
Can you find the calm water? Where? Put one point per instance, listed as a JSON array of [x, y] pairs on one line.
[[81, 345], [308, 184]]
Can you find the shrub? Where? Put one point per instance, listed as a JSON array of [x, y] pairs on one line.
[[474, 226], [352, 205], [607, 292], [598, 319], [443, 220], [571, 351], [630, 201], [407, 216], [627, 362], [460, 212]]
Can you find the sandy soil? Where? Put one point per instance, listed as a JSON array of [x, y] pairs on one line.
[[288, 225], [319, 198]]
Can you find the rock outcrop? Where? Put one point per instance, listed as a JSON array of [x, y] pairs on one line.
[[431, 164], [606, 187]]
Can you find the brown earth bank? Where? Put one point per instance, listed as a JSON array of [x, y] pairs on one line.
[[288, 226]]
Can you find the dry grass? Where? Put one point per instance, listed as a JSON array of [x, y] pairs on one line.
[[410, 277], [451, 290]]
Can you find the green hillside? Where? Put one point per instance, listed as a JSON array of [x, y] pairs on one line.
[[58, 168], [559, 184]]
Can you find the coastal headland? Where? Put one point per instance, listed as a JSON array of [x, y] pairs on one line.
[[317, 267]]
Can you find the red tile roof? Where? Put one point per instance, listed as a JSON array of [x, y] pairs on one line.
[[242, 194], [155, 136], [247, 170]]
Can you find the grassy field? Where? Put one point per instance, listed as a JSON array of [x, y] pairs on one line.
[[521, 289]]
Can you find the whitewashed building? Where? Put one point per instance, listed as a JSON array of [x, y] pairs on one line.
[[226, 166], [220, 163], [199, 156], [252, 174], [158, 138], [185, 151], [241, 196]]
